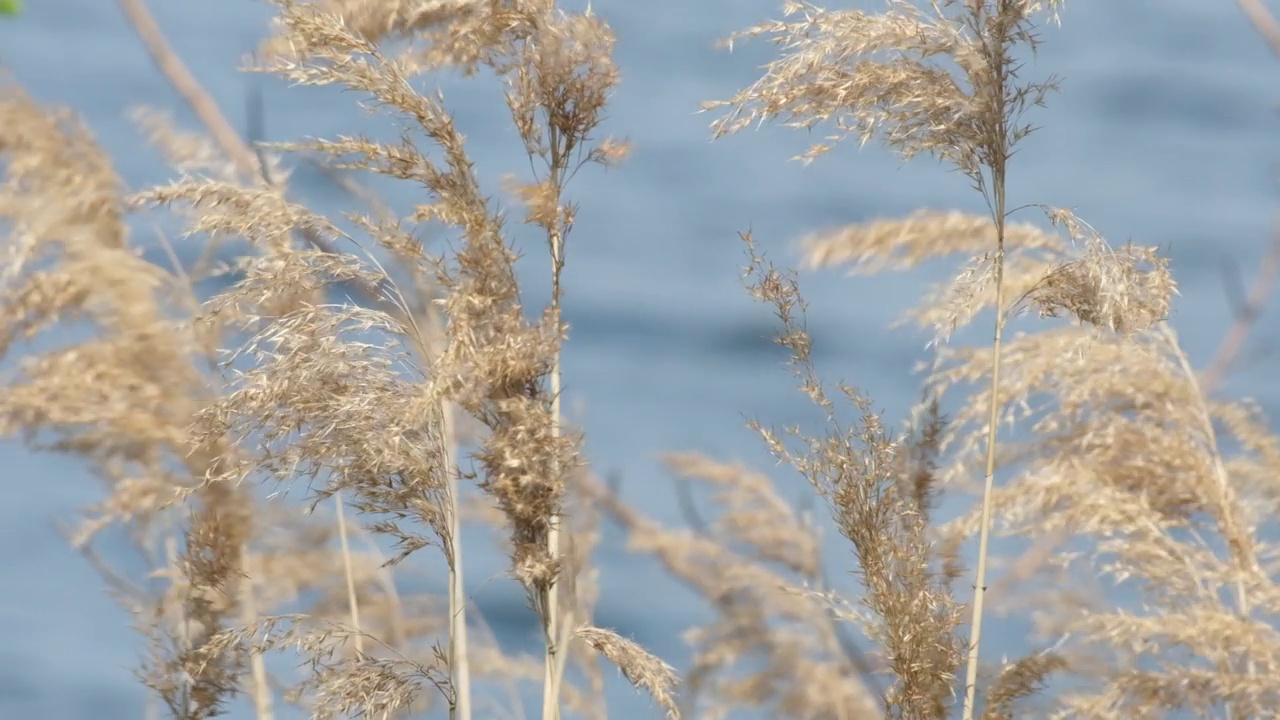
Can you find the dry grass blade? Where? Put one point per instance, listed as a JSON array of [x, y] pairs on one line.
[[355, 685], [935, 78], [641, 669], [880, 496], [124, 398], [493, 364], [1020, 679]]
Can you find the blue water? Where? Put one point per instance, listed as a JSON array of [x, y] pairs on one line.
[[1164, 133]]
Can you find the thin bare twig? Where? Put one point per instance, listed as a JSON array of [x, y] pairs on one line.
[[1263, 21], [1246, 317], [178, 75], [1269, 272]]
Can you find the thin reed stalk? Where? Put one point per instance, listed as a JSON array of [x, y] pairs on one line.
[[260, 689], [988, 485], [459, 660], [965, 110], [554, 662], [353, 601], [996, 155]]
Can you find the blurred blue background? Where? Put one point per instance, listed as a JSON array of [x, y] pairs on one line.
[[1163, 133]]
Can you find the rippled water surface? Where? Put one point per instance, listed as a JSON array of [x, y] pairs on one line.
[[1164, 133]]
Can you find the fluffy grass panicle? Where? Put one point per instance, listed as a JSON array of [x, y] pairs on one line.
[[376, 417], [122, 399]]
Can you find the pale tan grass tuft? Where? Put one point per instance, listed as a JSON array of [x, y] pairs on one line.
[[880, 497], [901, 244], [185, 667], [1019, 679], [770, 646], [923, 79], [887, 244], [489, 362], [1121, 290], [940, 78], [123, 399], [351, 685], [641, 669]]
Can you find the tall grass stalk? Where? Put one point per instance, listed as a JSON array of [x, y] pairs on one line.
[[950, 92], [459, 662], [344, 544], [263, 707], [995, 156], [988, 485], [553, 622]]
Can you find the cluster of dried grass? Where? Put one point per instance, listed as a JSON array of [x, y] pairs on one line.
[[416, 387]]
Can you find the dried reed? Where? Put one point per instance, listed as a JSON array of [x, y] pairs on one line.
[[415, 386]]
